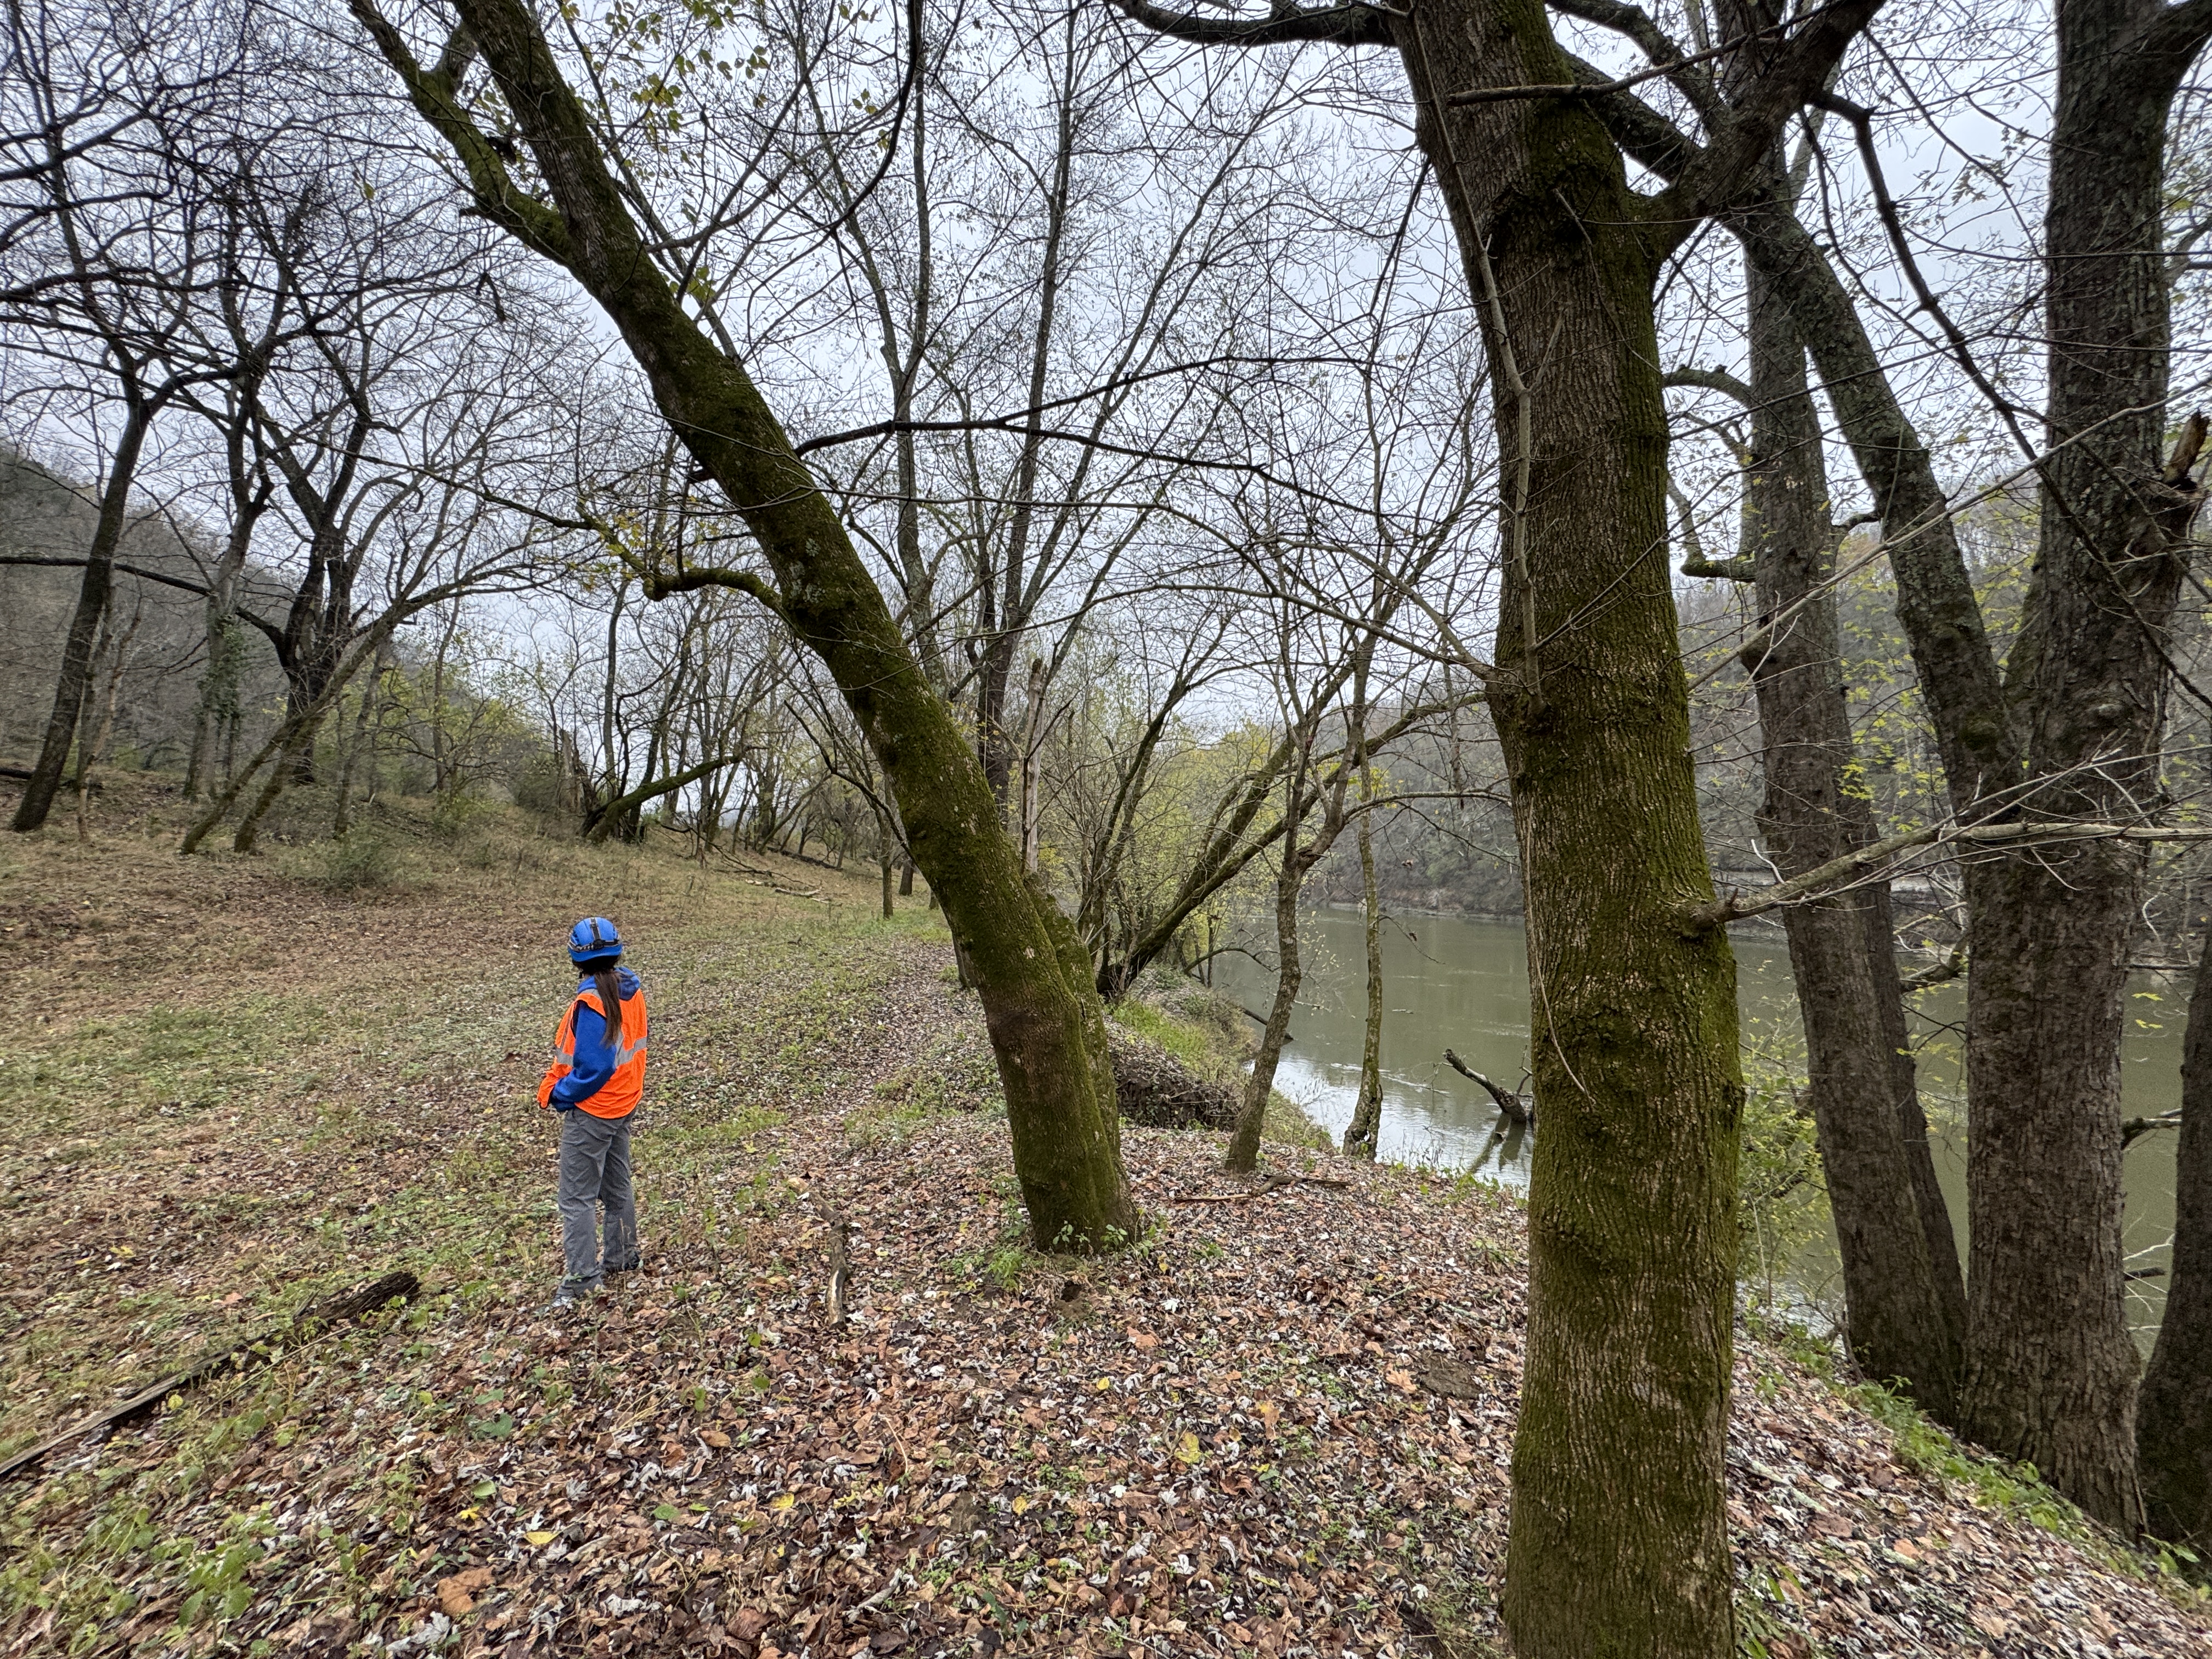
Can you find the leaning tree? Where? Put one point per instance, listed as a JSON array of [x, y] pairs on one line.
[[576, 202]]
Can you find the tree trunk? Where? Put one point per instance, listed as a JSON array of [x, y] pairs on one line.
[[92, 601], [1363, 1138], [995, 672], [1933, 1209], [295, 758], [1632, 1207], [2051, 1366], [1046, 1025], [341, 817], [226, 642], [1900, 1326], [2173, 1417], [1243, 1156], [94, 744]]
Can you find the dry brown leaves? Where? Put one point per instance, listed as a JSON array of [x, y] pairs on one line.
[[1278, 1427]]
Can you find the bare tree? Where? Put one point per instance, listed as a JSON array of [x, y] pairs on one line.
[[1042, 1011], [108, 244]]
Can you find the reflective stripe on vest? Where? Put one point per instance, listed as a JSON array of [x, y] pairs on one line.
[[619, 1095]]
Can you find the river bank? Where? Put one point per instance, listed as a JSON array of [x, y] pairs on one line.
[[1464, 984], [1279, 1426]]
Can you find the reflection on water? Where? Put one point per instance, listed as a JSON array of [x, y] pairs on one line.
[[1464, 984]]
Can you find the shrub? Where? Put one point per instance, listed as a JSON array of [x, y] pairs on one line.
[[1782, 1201], [537, 787], [360, 863]]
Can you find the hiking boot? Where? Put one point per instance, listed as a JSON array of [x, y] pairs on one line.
[[617, 1268], [573, 1291]]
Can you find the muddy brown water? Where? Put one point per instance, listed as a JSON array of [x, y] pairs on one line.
[[1464, 984]]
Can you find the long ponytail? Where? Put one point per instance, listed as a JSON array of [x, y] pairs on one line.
[[608, 983]]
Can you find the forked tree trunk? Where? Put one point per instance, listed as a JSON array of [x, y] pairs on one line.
[[2050, 1368], [1046, 1025], [2174, 1427]]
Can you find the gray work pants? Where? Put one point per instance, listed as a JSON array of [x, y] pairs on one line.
[[595, 1170]]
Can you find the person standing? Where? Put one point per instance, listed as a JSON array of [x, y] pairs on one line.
[[594, 1084]]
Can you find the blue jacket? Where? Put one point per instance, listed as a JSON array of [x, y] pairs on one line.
[[594, 1062]]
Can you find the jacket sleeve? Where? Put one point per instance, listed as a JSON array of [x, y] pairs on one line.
[[594, 1065]]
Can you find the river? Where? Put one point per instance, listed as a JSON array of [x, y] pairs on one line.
[[1464, 984]]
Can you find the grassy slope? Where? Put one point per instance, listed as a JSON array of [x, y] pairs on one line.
[[230, 1090]]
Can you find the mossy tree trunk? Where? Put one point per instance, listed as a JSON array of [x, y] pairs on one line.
[[1619, 1542], [1046, 1022], [1632, 1210]]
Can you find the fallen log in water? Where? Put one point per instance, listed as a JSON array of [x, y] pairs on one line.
[[1516, 1107]]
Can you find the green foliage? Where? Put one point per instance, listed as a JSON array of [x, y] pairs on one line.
[[539, 786], [1760, 1602], [363, 862], [952, 1074], [2015, 1490], [1782, 1206], [1193, 1044]]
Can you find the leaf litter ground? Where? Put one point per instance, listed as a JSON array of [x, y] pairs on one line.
[[1279, 1426]]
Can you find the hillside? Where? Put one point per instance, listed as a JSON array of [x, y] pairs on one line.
[[1279, 1425]]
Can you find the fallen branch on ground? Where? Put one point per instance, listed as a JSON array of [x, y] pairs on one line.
[[246, 1357]]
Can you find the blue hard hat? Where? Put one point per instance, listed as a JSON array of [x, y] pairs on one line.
[[592, 938]]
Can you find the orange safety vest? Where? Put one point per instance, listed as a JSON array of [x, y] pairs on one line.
[[619, 1095]]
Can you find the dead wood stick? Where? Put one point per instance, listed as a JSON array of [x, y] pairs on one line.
[[351, 1304], [841, 1270]]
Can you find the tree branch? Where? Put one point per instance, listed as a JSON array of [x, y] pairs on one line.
[[1665, 69], [1711, 380], [1645, 136], [603, 822], [1336, 26], [1743, 140], [2178, 30], [275, 633], [1840, 874], [435, 93], [1638, 26]]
